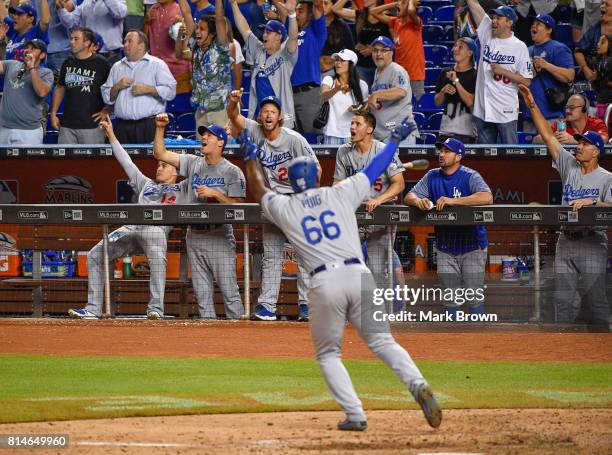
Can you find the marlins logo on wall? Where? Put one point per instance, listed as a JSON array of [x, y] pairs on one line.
[[9, 191], [68, 189]]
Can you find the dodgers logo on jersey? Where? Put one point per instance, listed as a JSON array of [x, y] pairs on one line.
[[571, 194], [273, 160], [497, 57], [157, 190], [210, 182]]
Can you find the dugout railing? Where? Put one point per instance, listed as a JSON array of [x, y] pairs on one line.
[[518, 235]]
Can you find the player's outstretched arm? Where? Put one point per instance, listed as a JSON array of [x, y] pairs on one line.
[[380, 162], [160, 152], [233, 110], [544, 131], [119, 152], [255, 180]]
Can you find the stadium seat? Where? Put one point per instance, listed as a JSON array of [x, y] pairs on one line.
[[425, 13], [444, 14], [185, 122], [563, 33], [431, 76], [433, 122], [525, 138], [427, 138], [181, 103], [436, 54], [432, 34], [563, 14], [420, 120], [426, 103], [448, 39], [435, 4], [245, 97], [313, 138]]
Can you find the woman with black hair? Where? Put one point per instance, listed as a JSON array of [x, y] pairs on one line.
[[345, 93], [367, 28], [602, 83]]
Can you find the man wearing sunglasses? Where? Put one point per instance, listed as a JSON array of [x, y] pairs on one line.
[[577, 120]]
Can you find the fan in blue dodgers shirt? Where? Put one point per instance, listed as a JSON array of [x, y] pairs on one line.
[[461, 250], [582, 252]]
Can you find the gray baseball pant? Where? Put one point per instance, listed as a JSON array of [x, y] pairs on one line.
[[307, 105], [271, 270], [152, 240], [586, 259], [335, 297], [462, 270], [213, 254]]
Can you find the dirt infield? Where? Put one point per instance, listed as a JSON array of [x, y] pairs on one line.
[[270, 340], [468, 431]]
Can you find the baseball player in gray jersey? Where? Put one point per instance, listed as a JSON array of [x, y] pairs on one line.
[[321, 224], [352, 158], [273, 60], [211, 248], [580, 251], [152, 240], [279, 146]]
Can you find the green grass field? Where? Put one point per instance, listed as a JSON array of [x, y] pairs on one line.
[[37, 388]]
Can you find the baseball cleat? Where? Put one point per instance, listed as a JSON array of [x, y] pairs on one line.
[[303, 316], [431, 409], [261, 314], [82, 314], [349, 425], [153, 315]]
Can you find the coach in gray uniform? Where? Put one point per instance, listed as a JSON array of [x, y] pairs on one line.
[[211, 248], [153, 240], [352, 158], [390, 98], [273, 60], [279, 146], [582, 251]]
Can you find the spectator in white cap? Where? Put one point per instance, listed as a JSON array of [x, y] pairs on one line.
[[345, 92]]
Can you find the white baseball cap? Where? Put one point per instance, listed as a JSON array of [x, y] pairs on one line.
[[347, 55]]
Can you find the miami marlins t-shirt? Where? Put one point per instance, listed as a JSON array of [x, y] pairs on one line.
[[83, 80], [277, 154]]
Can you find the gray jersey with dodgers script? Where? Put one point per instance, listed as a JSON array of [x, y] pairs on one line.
[[576, 185], [276, 69], [349, 162], [224, 177], [320, 223], [278, 153], [392, 112]]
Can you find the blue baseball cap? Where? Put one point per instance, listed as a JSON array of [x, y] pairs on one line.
[[505, 11], [38, 44], [592, 138], [275, 26], [98, 41], [216, 130], [273, 100], [384, 41], [473, 46], [546, 20], [454, 145], [24, 8]]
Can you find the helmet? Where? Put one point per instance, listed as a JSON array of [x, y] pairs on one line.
[[303, 174]]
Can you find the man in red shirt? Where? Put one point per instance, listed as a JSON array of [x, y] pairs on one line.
[[407, 32], [158, 20], [577, 121]]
